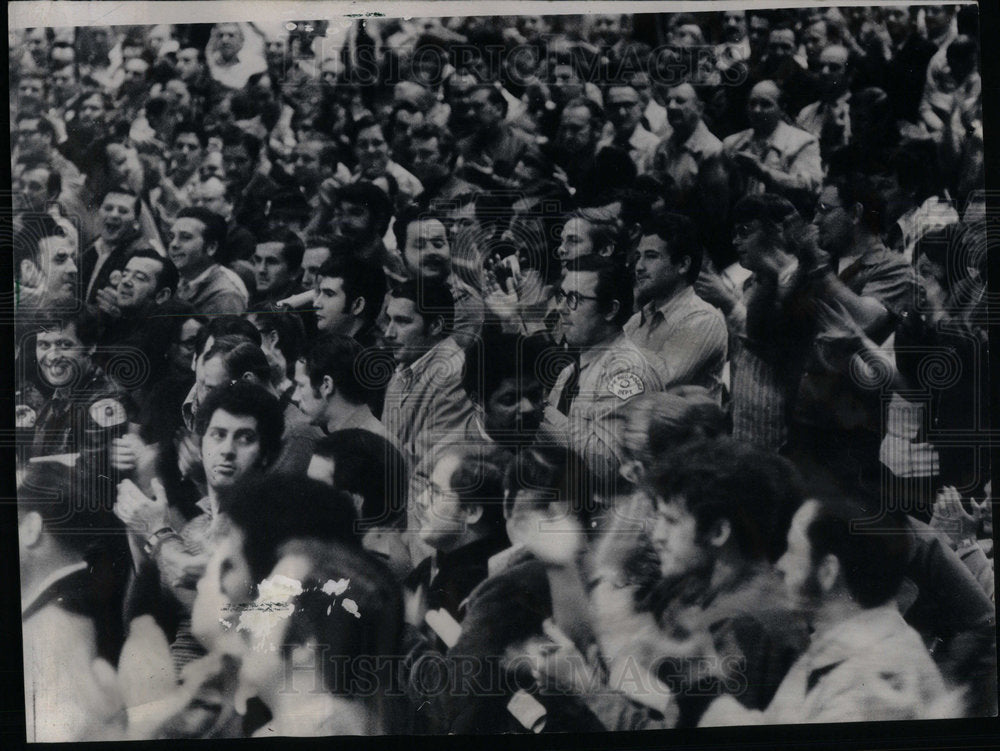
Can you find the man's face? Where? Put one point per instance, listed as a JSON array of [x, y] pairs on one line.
[[117, 216], [332, 313], [138, 283], [460, 87], [270, 269], [312, 260], [62, 358], [63, 82], [734, 25], [227, 581], [427, 252], [575, 134], [586, 324], [211, 194], [796, 566], [780, 45], [58, 263], [307, 169], [405, 335], [38, 45], [426, 162], [182, 350], [187, 151], [759, 30], [815, 40], [135, 74], [30, 89], [309, 401], [487, 114], [624, 109], [34, 193], [937, 19], [187, 244], [514, 409], [575, 241], [230, 449], [675, 539], [30, 141], [897, 22], [212, 165], [835, 224], [683, 107], [443, 520], [656, 276], [237, 164], [372, 151], [227, 35], [187, 63], [91, 111], [606, 29], [353, 221], [210, 375], [750, 244], [763, 111], [687, 35], [832, 70]]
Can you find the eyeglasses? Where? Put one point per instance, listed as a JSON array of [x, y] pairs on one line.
[[572, 299]]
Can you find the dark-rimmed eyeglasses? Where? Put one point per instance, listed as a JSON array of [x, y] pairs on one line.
[[572, 299]]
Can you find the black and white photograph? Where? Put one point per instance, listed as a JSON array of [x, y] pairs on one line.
[[498, 368]]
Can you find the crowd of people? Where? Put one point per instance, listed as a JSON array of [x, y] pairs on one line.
[[502, 374]]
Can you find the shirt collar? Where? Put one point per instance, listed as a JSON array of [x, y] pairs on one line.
[[40, 589], [422, 363], [695, 143], [678, 300], [201, 279], [855, 635], [595, 352]]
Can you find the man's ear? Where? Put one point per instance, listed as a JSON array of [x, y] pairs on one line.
[[436, 327], [611, 314], [29, 268], [358, 306], [858, 212], [211, 250], [29, 529], [272, 338], [684, 266], [473, 514], [327, 388], [828, 572], [721, 533], [162, 296]]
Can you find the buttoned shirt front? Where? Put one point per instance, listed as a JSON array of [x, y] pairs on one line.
[[425, 400], [685, 338], [641, 147], [790, 151], [682, 162], [215, 291]]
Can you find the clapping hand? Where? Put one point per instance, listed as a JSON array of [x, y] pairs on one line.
[[951, 517], [139, 512]]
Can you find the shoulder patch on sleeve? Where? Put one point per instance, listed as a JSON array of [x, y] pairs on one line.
[[626, 385], [24, 416], [108, 412]]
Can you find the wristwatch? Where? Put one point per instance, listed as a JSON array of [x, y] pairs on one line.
[[155, 540]]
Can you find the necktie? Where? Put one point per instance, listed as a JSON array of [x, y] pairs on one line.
[[571, 388]]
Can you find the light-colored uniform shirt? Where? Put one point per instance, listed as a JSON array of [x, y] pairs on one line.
[[791, 152], [611, 374]]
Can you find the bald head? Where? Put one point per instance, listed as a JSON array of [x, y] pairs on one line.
[[763, 107], [833, 67]]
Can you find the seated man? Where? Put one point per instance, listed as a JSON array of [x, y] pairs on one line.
[[240, 427], [864, 662], [86, 408], [70, 692], [195, 237], [424, 401], [328, 389], [277, 266], [583, 411]]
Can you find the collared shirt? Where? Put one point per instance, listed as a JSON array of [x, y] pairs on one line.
[[81, 418], [641, 147], [828, 121], [790, 151], [681, 162], [686, 338], [872, 666], [214, 292], [610, 374], [425, 401]]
